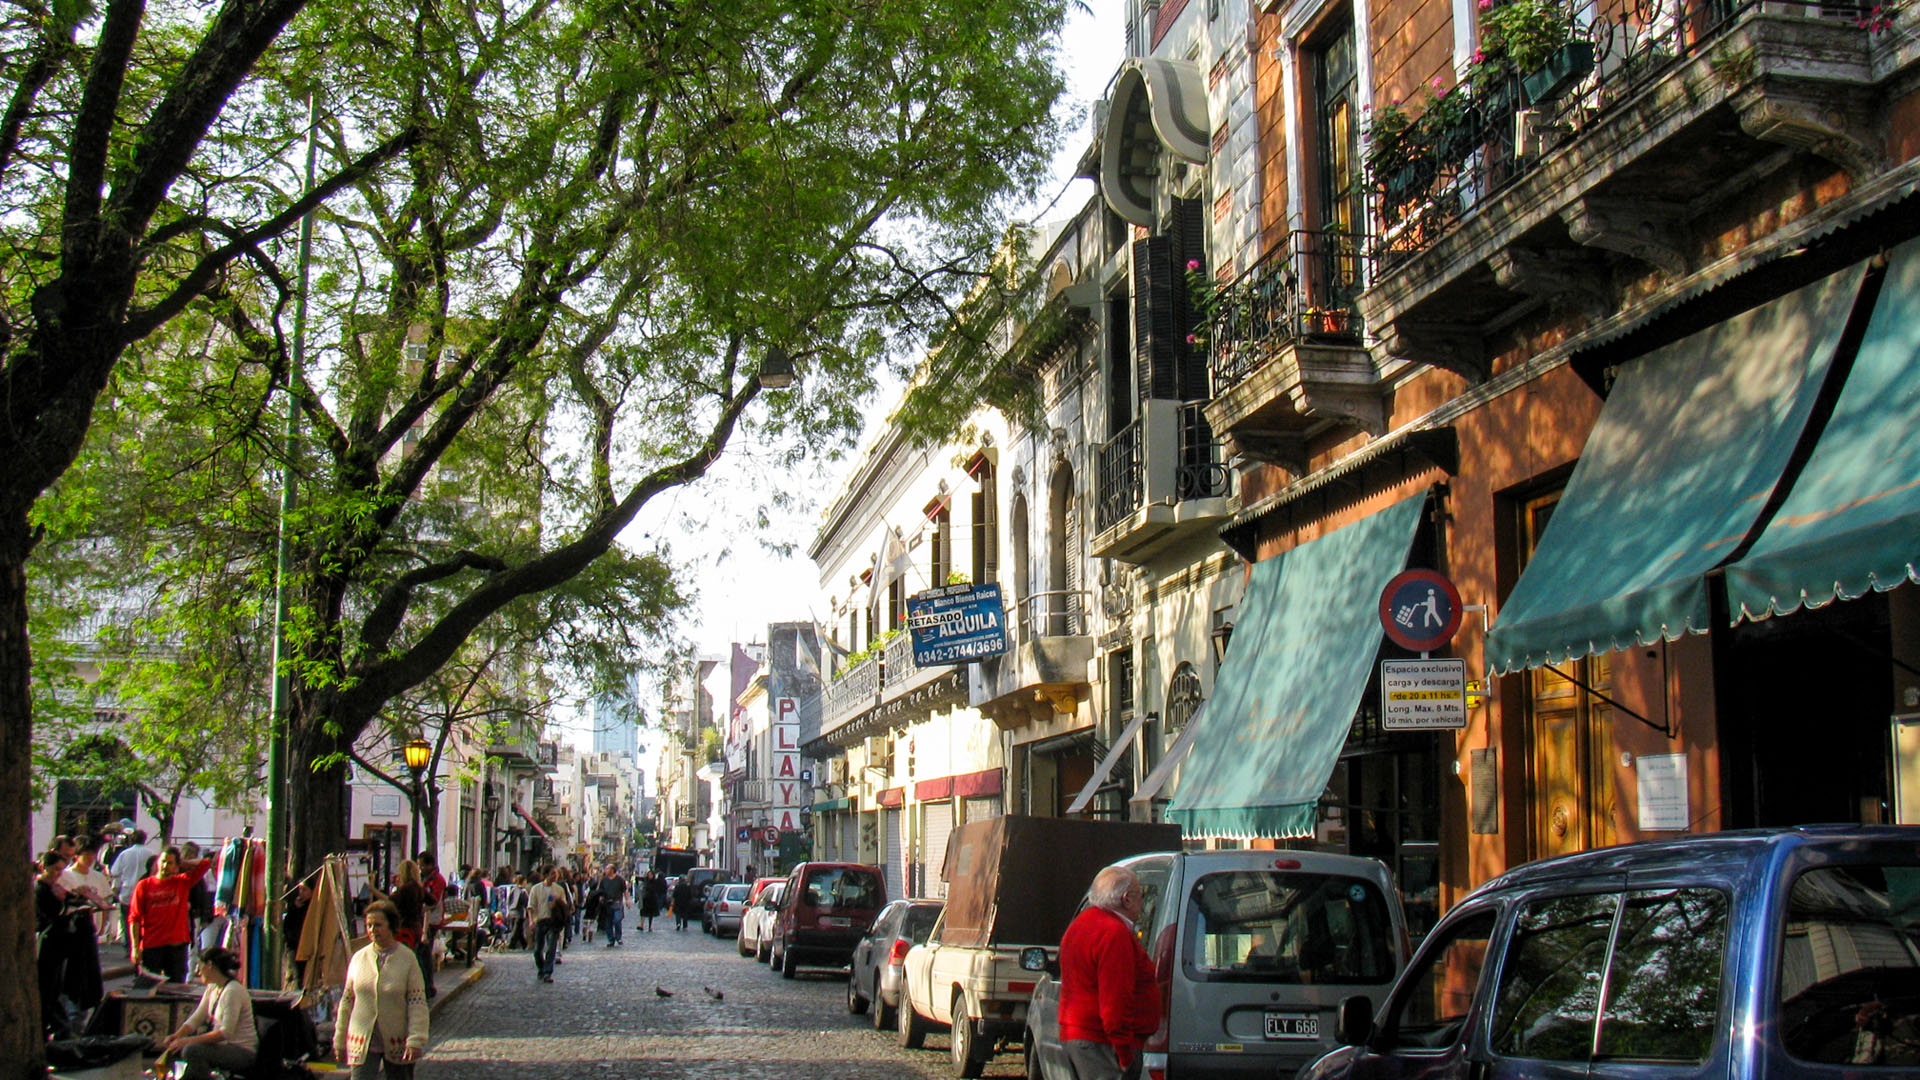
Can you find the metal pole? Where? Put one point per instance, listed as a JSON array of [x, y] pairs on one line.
[[277, 867]]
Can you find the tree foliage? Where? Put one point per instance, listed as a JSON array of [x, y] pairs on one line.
[[554, 239]]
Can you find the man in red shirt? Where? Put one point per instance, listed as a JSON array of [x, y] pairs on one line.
[[436, 886], [158, 927], [1109, 1002]]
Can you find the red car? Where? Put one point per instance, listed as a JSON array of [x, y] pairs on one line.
[[826, 910]]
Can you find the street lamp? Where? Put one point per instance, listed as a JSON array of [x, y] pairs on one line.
[[418, 752]]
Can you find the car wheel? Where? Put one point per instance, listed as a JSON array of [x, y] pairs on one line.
[[740, 945], [856, 1001], [885, 1016], [1031, 1053], [789, 966], [965, 1045], [912, 1029], [763, 950]]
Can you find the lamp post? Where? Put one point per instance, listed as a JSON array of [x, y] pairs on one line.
[[418, 753], [492, 804]]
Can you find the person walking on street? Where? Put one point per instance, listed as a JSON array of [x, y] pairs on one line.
[[435, 885], [1109, 1002], [381, 1027], [220, 1033], [158, 917], [410, 899], [682, 902], [613, 906], [652, 891], [548, 909]]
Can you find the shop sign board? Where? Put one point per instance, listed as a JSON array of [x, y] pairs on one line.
[[791, 790], [1423, 695], [1420, 610], [956, 624]]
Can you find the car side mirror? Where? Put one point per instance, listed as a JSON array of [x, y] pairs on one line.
[[1035, 958], [1354, 1025]]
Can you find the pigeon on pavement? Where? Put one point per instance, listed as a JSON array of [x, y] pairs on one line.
[[661, 991], [714, 994]]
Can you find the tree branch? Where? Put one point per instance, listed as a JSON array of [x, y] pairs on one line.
[[394, 600]]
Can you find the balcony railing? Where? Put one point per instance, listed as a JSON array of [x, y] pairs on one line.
[[1203, 473], [1054, 613], [1121, 490], [1305, 288], [1624, 46]]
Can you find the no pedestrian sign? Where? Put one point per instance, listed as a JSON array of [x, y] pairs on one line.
[[1423, 695], [1420, 610]]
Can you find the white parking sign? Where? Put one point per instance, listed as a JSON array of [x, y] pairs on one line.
[[1423, 695]]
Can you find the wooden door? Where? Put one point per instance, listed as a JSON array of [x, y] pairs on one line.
[[1569, 739]]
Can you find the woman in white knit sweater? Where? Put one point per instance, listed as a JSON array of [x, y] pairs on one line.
[[382, 1026]]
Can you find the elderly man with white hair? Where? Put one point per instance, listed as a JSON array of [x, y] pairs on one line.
[[1109, 1003]]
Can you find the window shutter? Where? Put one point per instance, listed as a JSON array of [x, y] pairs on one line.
[[1154, 318], [1187, 232]]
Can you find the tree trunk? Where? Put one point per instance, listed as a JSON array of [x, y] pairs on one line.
[[317, 799], [21, 1046]]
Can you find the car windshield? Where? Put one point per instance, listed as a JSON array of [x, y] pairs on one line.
[[1278, 926], [737, 892], [1850, 966], [842, 887]]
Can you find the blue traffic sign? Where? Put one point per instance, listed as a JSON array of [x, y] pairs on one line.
[[1420, 610]]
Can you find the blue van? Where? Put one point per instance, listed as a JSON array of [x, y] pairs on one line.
[[1789, 954]]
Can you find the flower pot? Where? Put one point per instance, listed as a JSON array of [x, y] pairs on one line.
[[1568, 65]]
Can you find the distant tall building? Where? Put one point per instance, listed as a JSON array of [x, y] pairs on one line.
[[616, 725]]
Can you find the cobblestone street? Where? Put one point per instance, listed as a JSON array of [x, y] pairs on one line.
[[601, 1018]]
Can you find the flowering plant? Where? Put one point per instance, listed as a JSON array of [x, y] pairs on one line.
[[1520, 35], [1878, 19]]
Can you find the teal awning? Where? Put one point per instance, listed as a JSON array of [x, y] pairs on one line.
[[1692, 441], [831, 805], [1304, 642], [1852, 521]]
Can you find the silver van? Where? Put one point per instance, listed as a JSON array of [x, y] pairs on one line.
[[1254, 951]]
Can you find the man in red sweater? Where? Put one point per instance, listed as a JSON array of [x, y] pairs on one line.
[[1109, 1002], [157, 919]]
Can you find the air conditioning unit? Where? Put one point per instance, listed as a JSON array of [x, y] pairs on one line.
[[880, 751], [1529, 133], [837, 770]]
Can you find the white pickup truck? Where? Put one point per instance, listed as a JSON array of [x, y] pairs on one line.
[[1012, 883]]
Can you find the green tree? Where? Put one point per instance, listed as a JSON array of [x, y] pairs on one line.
[[581, 223]]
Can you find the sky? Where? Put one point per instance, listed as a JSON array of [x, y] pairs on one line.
[[743, 578]]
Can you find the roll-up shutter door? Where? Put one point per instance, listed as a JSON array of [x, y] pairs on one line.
[[983, 807], [829, 834], [892, 861], [850, 839], [937, 818]]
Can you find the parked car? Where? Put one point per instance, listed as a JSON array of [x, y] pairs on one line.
[[1254, 951], [825, 911], [756, 926], [698, 879], [880, 958], [761, 885], [709, 896], [728, 904], [1766, 953]]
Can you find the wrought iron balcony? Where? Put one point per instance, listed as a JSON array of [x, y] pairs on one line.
[[1046, 671], [1304, 290], [1120, 489], [1161, 480], [1584, 182]]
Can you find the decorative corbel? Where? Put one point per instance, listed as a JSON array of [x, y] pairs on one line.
[[1829, 121], [1646, 229], [1459, 349], [1561, 279], [1287, 449]]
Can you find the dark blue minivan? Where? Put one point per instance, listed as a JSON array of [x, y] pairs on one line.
[[1791, 953]]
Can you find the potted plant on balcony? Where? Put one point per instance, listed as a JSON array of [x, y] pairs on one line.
[[1539, 40]]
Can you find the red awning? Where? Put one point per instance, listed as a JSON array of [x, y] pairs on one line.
[[893, 796], [934, 789], [532, 824], [984, 782]]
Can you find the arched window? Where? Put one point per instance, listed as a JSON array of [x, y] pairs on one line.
[[1063, 562], [1183, 696], [986, 531]]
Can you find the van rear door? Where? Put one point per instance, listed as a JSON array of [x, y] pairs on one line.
[[1267, 949]]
